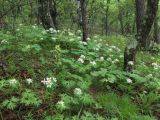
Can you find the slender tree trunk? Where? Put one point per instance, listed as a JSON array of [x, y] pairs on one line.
[[106, 18], [84, 19], [120, 18], [156, 31]]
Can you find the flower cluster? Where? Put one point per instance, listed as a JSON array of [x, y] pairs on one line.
[[49, 81], [61, 104], [29, 81], [81, 59], [13, 81], [131, 63], [77, 91], [83, 43], [101, 58], [115, 61], [155, 65], [51, 30], [93, 62], [129, 80]]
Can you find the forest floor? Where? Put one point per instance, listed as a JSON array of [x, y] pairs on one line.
[[53, 75]]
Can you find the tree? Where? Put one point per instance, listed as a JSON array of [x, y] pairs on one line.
[[140, 12], [156, 31], [48, 13], [83, 7], [144, 25], [120, 17]]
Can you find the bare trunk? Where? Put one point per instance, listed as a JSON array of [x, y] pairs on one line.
[[48, 13], [120, 18], [156, 31], [84, 19], [152, 7]]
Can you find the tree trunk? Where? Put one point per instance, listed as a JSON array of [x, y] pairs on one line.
[[152, 7], [156, 31], [106, 17], [143, 31], [120, 18], [84, 19], [130, 56], [140, 12], [48, 13]]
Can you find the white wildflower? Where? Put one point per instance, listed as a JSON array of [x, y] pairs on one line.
[[49, 81], [29, 81], [109, 59], [77, 91], [61, 104], [110, 55], [110, 49], [71, 39], [43, 32], [52, 30], [129, 80], [93, 62], [34, 26], [116, 60], [145, 92], [53, 38], [84, 43], [82, 56], [54, 79], [97, 49], [131, 63], [101, 58], [78, 37], [13, 81], [99, 45], [121, 56], [88, 39], [95, 36], [41, 38], [155, 65], [114, 47], [80, 60], [4, 41]]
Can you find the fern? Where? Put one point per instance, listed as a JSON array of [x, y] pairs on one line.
[[11, 103]]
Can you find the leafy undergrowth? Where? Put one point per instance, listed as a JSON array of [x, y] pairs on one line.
[[53, 75]]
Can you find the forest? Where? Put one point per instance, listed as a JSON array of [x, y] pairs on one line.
[[79, 60]]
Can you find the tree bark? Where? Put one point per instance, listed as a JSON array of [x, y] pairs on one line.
[[140, 12], [106, 18], [156, 31], [84, 19], [120, 18], [143, 31], [48, 13], [152, 7]]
